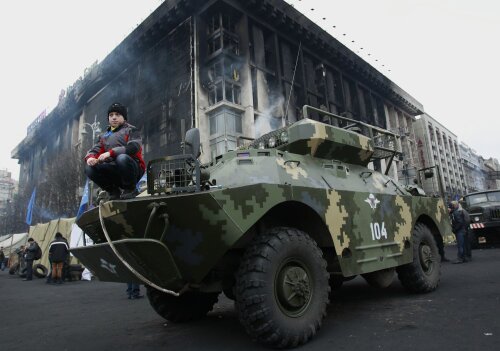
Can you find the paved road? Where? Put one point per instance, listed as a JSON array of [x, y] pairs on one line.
[[463, 314]]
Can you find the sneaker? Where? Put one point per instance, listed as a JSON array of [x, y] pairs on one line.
[[129, 194], [26, 279], [137, 297], [458, 261], [444, 259], [105, 196]]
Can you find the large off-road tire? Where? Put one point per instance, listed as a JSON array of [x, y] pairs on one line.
[[40, 271], [423, 274], [282, 288], [189, 306], [14, 268]]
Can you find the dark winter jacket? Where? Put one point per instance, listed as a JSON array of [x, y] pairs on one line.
[[458, 220], [125, 139], [58, 250], [31, 251]]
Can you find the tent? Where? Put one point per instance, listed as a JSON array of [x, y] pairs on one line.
[[12, 242], [44, 233]]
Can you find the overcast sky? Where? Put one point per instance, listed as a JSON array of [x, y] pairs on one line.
[[444, 53]]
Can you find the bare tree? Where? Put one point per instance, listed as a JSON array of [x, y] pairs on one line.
[[58, 195]]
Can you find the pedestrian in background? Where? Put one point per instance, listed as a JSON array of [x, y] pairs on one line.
[[459, 227], [58, 252], [2, 259], [134, 291], [29, 256]]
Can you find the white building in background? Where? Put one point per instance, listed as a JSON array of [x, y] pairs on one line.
[[437, 147], [491, 169], [473, 165], [7, 188]]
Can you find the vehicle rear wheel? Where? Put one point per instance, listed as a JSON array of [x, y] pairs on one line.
[[282, 288], [423, 274], [189, 306]]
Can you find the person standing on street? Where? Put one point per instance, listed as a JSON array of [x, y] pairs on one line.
[[58, 252], [2, 259], [115, 163], [134, 291], [29, 256], [459, 227]]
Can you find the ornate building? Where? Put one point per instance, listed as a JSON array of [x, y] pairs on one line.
[[231, 68], [438, 147]]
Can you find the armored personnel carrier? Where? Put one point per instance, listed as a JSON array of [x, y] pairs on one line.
[[274, 225]]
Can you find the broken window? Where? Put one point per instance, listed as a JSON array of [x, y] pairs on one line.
[[221, 34], [223, 76], [351, 98], [262, 48], [233, 93], [334, 91], [216, 92]]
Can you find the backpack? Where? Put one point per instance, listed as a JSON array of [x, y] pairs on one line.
[[466, 218], [38, 253]]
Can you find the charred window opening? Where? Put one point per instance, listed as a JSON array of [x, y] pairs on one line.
[[334, 91], [268, 99], [221, 34], [367, 106], [262, 48], [351, 98], [223, 77], [381, 120]]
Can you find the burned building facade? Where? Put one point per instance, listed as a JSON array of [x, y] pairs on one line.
[[234, 69]]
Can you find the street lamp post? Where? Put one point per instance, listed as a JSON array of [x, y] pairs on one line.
[[96, 128]]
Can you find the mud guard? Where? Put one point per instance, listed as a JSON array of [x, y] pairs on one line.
[[139, 254]]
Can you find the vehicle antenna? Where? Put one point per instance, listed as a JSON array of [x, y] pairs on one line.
[[291, 86]]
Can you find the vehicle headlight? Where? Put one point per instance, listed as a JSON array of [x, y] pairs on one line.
[[476, 219], [262, 145], [284, 137], [272, 142]]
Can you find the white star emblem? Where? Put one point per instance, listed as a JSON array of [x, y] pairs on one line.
[[372, 201], [108, 266]]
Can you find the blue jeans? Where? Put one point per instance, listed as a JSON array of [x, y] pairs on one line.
[[2, 265], [133, 290], [460, 235]]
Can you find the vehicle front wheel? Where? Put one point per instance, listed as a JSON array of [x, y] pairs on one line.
[[282, 288], [189, 306], [423, 274]]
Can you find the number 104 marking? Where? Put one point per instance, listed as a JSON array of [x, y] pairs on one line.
[[378, 231]]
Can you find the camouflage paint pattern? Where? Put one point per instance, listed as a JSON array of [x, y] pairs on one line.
[[369, 217]]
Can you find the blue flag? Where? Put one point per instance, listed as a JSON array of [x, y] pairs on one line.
[[142, 181], [31, 204], [85, 200]]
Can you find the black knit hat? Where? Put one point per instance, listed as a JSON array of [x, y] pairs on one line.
[[117, 107]]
